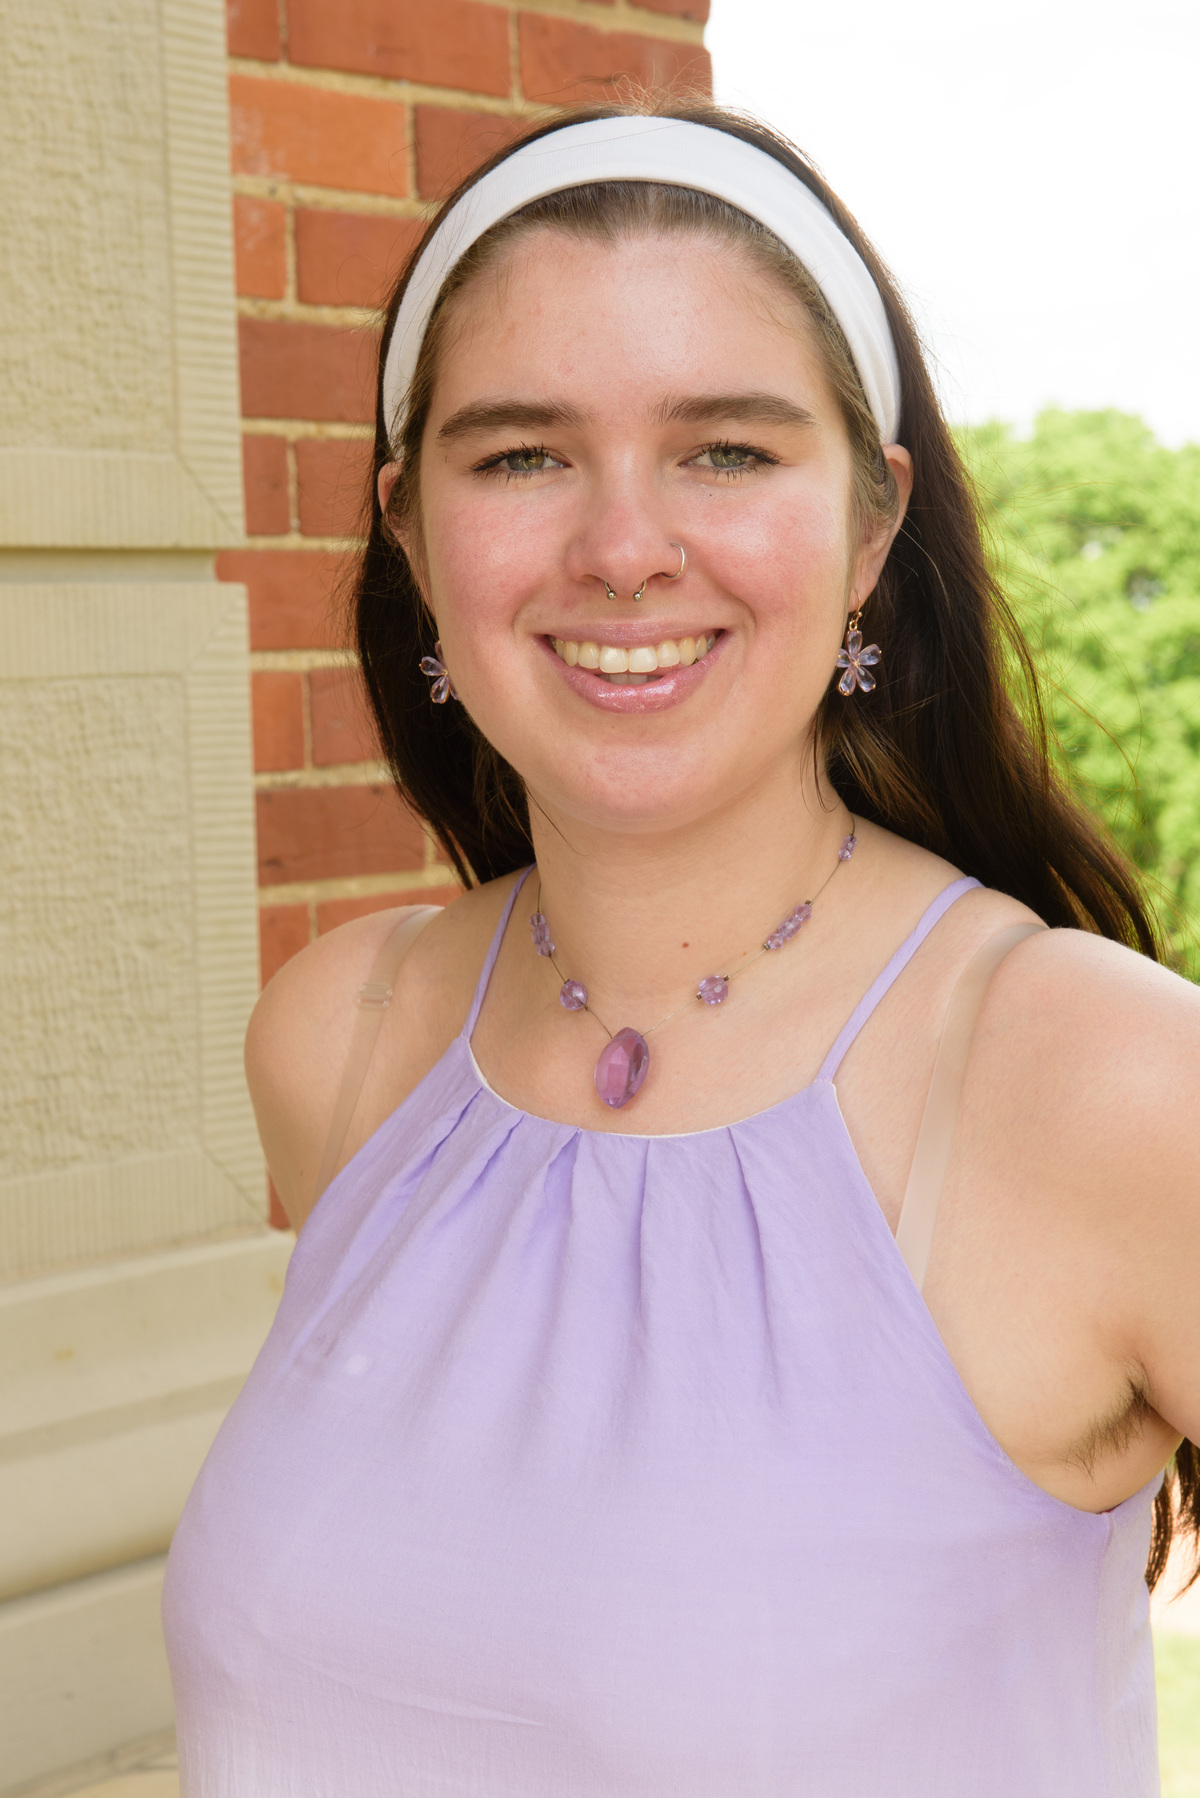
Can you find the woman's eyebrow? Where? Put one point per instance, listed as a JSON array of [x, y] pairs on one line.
[[511, 415], [747, 408]]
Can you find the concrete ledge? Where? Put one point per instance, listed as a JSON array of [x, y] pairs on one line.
[[117, 1378], [83, 1671]]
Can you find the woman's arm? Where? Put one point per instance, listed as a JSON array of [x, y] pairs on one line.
[[297, 1044], [1089, 1093], [300, 1033], [1143, 1147]]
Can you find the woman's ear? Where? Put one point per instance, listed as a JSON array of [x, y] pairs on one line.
[[389, 474], [874, 551], [900, 463], [385, 485], [406, 535]]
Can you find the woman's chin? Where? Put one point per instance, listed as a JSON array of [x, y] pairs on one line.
[[632, 795]]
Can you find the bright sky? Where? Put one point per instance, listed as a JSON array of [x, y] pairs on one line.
[[1030, 171]]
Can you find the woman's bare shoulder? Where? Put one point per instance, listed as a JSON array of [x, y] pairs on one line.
[[1092, 1032], [1097, 1048], [300, 1031], [1102, 1002]]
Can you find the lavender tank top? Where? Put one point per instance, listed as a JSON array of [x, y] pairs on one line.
[[581, 1465]]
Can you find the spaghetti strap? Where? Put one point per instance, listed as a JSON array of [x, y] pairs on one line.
[[895, 967], [485, 975], [931, 1158], [373, 998]]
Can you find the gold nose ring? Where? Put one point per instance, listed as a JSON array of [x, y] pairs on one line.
[[666, 577]]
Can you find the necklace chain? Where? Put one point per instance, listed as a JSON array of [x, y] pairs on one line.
[[844, 854]]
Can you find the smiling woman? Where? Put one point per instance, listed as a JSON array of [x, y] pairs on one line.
[[810, 1436]]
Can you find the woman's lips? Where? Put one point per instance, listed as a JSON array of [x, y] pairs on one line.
[[669, 687]]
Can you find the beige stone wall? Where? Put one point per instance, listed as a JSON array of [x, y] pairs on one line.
[[120, 398], [127, 919], [137, 1277]]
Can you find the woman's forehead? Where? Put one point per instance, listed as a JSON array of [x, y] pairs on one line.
[[663, 306], [656, 261]]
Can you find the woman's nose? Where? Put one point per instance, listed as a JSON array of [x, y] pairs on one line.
[[623, 545]]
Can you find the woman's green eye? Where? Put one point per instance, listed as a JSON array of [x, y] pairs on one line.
[[525, 461], [518, 463], [727, 455]]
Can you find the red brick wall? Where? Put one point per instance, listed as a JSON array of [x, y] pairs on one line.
[[349, 118]]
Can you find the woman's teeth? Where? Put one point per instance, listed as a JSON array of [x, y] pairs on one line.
[[633, 667]]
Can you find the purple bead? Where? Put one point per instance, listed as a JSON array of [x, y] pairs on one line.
[[572, 995], [539, 930], [847, 849], [783, 933], [712, 989], [622, 1067]]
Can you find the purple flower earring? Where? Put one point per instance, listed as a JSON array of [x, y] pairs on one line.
[[856, 660], [443, 687]]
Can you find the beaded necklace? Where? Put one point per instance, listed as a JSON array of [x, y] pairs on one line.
[[624, 1062]]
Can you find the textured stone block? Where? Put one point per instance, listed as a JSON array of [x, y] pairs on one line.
[[118, 359], [128, 961]]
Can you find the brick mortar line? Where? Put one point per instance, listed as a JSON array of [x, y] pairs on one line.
[[300, 661], [311, 779], [330, 199], [316, 428], [293, 484], [291, 290], [292, 311], [337, 546], [357, 886], [410, 149], [306, 728], [619, 15], [397, 89]]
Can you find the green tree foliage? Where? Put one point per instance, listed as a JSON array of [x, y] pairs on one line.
[[1095, 533]]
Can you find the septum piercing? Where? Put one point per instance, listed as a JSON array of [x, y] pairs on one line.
[[666, 577]]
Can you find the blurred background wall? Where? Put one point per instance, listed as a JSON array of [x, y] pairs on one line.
[[201, 207]]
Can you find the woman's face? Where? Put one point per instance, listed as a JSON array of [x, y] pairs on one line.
[[596, 405]]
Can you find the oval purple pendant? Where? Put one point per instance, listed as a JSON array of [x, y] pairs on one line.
[[621, 1067]]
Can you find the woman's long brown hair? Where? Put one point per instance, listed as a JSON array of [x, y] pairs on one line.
[[952, 750]]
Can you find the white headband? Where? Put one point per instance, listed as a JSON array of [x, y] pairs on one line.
[[680, 154]]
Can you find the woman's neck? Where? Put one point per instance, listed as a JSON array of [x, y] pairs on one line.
[[639, 916]]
